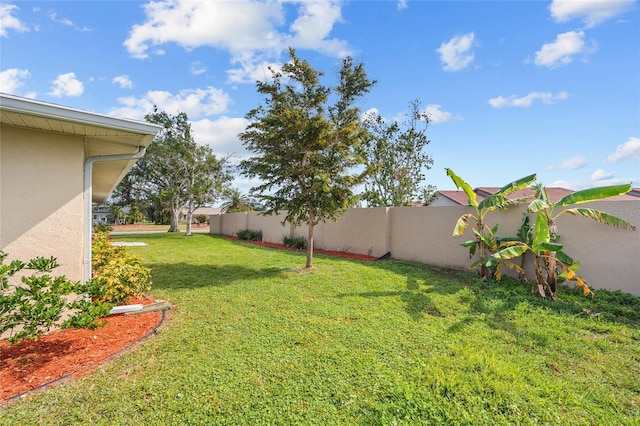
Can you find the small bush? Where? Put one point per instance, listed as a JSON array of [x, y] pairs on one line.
[[117, 275], [35, 304], [249, 234], [102, 227], [294, 241]]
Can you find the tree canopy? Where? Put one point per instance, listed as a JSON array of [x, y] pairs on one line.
[[176, 173], [304, 139], [396, 161]]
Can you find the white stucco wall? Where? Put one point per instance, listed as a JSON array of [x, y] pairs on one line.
[[41, 181]]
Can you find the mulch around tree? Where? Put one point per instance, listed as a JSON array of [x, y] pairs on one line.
[[69, 354], [342, 254]]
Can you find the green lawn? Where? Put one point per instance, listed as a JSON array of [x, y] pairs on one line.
[[254, 339]]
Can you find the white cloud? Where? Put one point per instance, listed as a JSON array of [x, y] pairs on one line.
[[629, 149], [563, 50], [123, 81], [12, 79], [251, 70], [66, 85], [402, 4], [65, 21], [572, 163], [314, 24], [591, 13], [10, 22], [456, 53], [526, 101], [436, 115], [221, 135], [198, 68], [253, 32], [601, 174], [577, 185], [195, 103]]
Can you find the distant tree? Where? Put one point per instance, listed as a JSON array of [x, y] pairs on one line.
[[305, 148], [116, 213], [135, 214], [396, 161], [207, 179], [175, 172], [235, 201]]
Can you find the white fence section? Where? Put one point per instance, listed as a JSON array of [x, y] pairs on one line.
[[610, 256]]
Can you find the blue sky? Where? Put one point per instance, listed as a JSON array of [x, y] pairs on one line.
[[512, 87]]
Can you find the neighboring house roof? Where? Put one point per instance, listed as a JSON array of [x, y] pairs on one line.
[[207, 210], [103, 135], [555, 194], [460, 197]]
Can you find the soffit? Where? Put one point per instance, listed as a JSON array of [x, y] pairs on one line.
[[102, 135]]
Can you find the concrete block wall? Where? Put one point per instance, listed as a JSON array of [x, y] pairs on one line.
[[610, 256]]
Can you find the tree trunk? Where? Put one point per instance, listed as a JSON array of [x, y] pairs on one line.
[[173, 222], [189, 218], [310, 240], [552, 275]]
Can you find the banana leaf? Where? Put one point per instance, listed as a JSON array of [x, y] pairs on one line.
[[601, 217], [461, 184], [592, 194], [515, 250], [541, 233], [473, 245], [492, 202], [462, 224], [538, 205], [516, 185]]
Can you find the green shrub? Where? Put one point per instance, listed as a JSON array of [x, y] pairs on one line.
[[33, 304], [249, 234], [117, 275], [294, 241], [103, 227]]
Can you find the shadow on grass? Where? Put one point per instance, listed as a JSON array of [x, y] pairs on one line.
[[495, 302], [184, 276]]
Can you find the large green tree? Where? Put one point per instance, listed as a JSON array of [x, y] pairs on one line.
[[175, 172], [304, 140], [396, 161]]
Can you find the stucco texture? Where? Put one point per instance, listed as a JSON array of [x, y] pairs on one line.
[[41, 180]]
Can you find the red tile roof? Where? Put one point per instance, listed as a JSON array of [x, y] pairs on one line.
[[460, 197], [555, 194]]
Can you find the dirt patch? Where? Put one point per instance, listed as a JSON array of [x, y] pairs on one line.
[[342, 254], [70, 353]]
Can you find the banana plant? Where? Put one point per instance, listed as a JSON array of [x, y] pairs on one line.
[[485, 241], [545, 250], [549, 255], [544, 207]]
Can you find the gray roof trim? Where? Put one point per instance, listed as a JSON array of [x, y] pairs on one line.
[[58, 112]]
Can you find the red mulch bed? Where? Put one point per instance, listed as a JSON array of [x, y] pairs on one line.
[[343, 254], [69, 353]]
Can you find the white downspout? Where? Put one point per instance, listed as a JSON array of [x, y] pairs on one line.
[[88, 189]]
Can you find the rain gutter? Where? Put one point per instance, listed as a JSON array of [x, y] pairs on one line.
[[88, 189]]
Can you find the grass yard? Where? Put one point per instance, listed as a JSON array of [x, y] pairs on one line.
[[254, 339]]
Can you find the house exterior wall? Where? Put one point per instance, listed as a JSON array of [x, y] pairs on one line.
[[41, 182], [609, 255]]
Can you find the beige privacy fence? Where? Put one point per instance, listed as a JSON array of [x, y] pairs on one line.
[[610, 256]]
